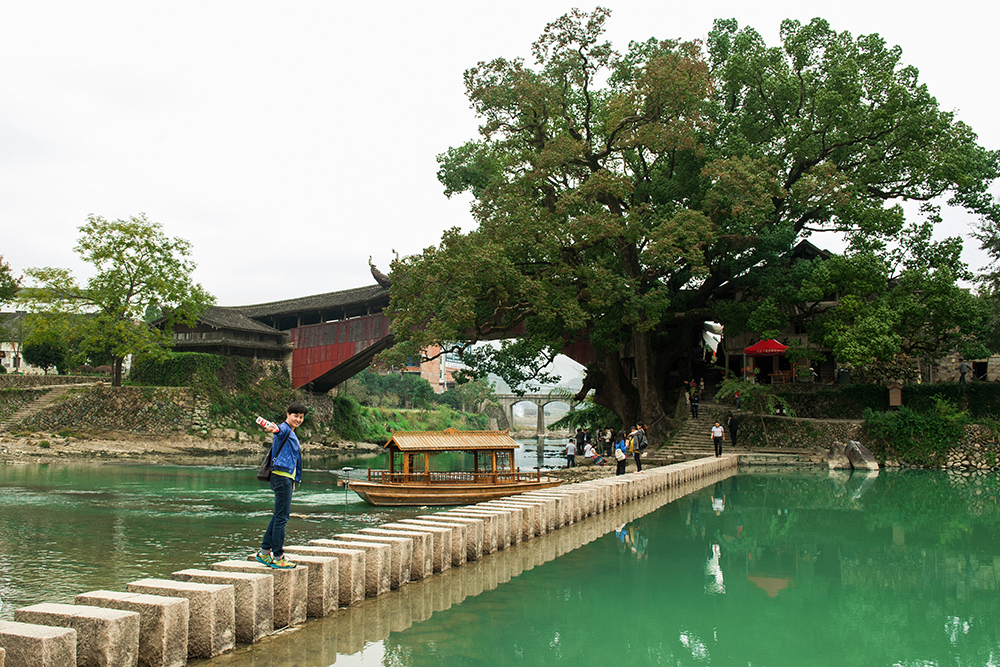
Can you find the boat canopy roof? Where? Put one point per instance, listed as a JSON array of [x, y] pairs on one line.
[[450, 440]]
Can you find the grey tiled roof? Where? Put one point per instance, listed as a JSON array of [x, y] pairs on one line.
[[233, 319], [316, 302]]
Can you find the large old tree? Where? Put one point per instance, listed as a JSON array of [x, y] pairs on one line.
[[626, 198]]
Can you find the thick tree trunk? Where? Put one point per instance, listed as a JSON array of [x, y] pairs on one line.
[[614, 390], [116, 377]]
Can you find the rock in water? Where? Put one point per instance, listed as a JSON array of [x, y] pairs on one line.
[[836, 458], [860, 457]]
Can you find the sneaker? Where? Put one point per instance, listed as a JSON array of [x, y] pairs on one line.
[[265, 559], [282, 563]]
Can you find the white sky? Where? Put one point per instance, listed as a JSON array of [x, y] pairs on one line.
[[289, 141]]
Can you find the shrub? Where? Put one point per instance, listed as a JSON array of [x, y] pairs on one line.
[[916, 437]]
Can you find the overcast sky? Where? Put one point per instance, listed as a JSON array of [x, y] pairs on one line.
[[289, 141]]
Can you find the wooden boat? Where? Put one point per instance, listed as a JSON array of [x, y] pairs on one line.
[[410, 480]]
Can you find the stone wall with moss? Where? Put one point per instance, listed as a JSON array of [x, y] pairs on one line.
[[152, 410]]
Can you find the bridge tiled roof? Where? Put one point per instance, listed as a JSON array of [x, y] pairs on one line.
[[222, 317], [327, 301]]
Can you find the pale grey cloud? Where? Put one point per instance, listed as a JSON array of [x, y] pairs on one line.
[[290, 141]]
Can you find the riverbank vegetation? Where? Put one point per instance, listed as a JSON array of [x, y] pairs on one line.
[[367, 408], [937, 425]]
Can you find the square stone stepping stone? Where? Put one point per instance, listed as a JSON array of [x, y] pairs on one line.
[[104, 637], [163, 624]]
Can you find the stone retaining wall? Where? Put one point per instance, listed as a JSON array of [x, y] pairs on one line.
[[153, 410], [979, 450], [11, 381]]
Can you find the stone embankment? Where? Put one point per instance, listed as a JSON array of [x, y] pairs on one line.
[[204, 613]]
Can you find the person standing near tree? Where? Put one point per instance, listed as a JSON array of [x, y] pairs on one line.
[[732, 423], [638, 440], [286, 472], [621, 453], [571, 453]]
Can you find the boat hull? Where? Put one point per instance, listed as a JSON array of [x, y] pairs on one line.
[[402, 495]]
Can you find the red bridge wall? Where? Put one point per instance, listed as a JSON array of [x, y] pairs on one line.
[[320, 347]]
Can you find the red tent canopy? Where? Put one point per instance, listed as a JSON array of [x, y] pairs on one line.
[[766, 348]]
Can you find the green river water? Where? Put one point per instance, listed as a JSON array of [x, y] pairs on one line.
[[759, 569]]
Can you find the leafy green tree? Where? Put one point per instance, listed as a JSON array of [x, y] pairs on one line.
[[137, 267], [45, 354], [626, 198], [8, 283]]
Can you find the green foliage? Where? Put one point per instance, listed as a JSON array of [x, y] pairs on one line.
[[589, 415], [917, 437], [358, 423], [45, 354], [757, 399], [138, 269], [9, 285], [176, 369], [392, 389], [625, 198], [44, 444]]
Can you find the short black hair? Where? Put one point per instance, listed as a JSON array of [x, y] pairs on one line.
[[296, 408]]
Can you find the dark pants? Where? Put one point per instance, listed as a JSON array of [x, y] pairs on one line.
[[620, 470], [732, 435], [570, 460], [638, 460], [718, 446], [694, 409], [274, 536]]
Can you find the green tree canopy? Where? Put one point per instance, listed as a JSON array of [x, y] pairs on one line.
[[8, 283], [626, 198], [138, 269]]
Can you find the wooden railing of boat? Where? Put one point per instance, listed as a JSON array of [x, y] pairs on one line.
[[454, 477]]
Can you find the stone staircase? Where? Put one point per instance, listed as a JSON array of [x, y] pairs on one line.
[[55, 393], [694, 441]]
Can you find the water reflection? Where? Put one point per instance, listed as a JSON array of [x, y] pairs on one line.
[[789, 569]]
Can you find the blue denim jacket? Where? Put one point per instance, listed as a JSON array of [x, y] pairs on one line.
[[290, 458]]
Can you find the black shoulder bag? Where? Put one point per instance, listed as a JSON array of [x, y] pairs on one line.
[[264, 471]]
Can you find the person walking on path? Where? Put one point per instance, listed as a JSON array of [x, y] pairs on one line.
[[621, 455], [286, 471], [733, 424], [963, 368], [718, 433], [571, 453], [695, 398]]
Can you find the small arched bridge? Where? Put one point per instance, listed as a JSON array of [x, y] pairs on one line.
[[508, 401]]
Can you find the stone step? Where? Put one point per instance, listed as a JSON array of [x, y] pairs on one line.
[[48, 398], [253, 599], [211, 612], [37, 645], [163, 624], [103, 636], [290, 588]]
